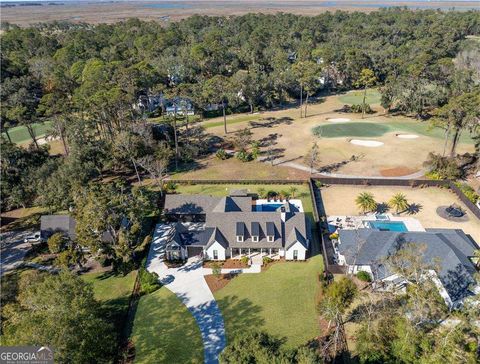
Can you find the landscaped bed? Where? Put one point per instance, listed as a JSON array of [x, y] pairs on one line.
[[164, 331], [280, 300], [227, 264]]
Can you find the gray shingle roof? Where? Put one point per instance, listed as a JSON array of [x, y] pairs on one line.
[[51, 224], [447, 246], [189, 204]]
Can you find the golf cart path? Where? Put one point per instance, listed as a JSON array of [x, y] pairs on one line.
[[188, 283], [416, 175]]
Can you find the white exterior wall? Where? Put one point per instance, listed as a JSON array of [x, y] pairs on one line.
[[219, 248], [354, 269], [301, 251]]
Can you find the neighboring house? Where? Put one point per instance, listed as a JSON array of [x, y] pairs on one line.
[[235, 226], [65, 224], [179, 106], [51, 224], [367, 249]]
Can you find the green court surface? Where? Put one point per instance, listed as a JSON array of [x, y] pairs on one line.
[[370, 129], [19, 134], [356, 97]]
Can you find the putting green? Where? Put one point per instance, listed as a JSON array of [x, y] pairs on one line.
[[369, 129], [351, 130], [356, 97]]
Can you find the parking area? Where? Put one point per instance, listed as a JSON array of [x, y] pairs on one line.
[[13, 249]]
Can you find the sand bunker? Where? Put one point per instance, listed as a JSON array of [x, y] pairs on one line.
[[407, 136], [338, 120], [366, 143]]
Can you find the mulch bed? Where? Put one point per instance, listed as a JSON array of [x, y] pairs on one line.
[[217, 283], [229, 263]]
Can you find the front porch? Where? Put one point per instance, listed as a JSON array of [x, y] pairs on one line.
[[255, 253]]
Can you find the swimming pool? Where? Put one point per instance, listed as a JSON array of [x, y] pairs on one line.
[[267, 207], [388, 225]]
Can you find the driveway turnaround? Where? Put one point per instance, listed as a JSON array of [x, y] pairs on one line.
[[13, 249], [188, 284]]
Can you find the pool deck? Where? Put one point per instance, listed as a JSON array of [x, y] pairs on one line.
[[295, 202], [357, 222]]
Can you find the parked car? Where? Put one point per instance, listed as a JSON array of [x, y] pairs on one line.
[[34, 238]]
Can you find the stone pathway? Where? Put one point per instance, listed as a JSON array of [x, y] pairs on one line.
[[188, 283]]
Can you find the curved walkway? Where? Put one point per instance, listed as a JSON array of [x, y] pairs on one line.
[[188, 284]]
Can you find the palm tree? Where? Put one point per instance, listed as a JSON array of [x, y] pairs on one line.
[[366, 202], [398, 202], [292, 191], [261, 192]]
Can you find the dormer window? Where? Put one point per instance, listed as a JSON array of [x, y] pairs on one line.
[[255, 232], [270, 232], [240, 232]]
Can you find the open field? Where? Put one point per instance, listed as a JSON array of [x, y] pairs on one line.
[[164, 331], [165, 11], [280, 300], [356, 97], [340, 200], [294, 137]]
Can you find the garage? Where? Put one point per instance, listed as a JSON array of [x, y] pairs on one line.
[[194, 250]]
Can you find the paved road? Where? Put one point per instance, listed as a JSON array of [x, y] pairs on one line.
[[188, 284], [13, 249]]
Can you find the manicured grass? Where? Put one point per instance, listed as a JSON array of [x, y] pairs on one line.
[[113, 291], [356, 97], [164, 331], [230, 120], [303, 191], [19, 134], [351, 130], [370, 129], [280, 301]]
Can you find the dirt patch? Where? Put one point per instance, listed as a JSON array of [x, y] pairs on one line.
[[217, 283], [397, 171]]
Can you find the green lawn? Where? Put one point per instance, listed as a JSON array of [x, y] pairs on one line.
[[230, 120], [164, 331], [303, 192], [19, 134], [280, 301], [113, 291], [370, 129], [356, 97]]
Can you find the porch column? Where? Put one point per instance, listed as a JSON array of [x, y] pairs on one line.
[[270, 251], [249, 251], [261, 251], [240, 254]]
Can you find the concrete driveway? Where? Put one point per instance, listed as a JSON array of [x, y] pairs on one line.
[[188, 284], [13, 249]]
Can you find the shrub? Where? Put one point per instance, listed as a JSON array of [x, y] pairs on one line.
[[267, 260], [55, 243], [221, 154], [216, 269], [468, 191], [244, 260], [170, 186], [148, 281], [333, 236], [364, 276], [244, 156], [443, 167]]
